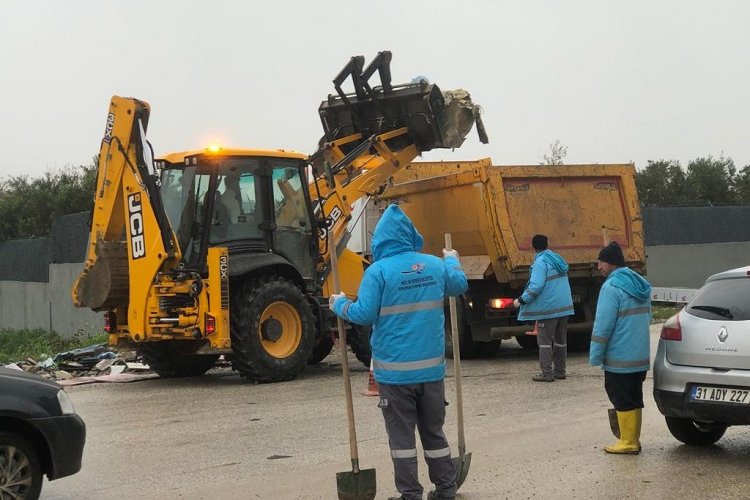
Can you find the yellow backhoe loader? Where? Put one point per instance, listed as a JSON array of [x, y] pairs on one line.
[[226, 251]]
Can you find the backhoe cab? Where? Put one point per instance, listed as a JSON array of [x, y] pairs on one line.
[[227, 251]]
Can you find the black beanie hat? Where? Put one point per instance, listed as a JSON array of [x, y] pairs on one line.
[[539, 242], [612, 254]]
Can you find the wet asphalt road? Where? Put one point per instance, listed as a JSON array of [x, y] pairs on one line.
[[219, 437]]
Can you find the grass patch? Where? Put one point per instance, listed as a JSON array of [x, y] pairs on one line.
[[17, 345], [659, 314]]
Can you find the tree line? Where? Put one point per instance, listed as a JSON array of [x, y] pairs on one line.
[[28, 205], [705, 181]]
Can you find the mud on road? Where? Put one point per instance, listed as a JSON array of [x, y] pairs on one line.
[[219, 437]]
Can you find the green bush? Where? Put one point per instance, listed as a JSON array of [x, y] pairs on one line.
[[661, 313], [17, 345]]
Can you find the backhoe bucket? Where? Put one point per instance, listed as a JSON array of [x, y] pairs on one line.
[[462, 464], [360, 485], [435, 119]]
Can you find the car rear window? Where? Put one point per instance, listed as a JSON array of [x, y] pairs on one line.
[[726, 299]]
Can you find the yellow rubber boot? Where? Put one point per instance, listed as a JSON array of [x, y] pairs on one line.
[[630, 433]]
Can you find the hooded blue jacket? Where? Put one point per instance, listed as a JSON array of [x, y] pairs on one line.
[[547, 295], [620, 340], [402, 295]]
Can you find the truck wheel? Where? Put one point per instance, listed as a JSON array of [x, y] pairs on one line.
[[528, 341], [695, 433], [486, 349], [321, 350], [272, 330], [359, 341], [579, 341], [466, 343], [170, 359], [20, 467]]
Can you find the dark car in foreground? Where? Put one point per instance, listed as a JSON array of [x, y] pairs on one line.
[[40, 433], [702, 364]]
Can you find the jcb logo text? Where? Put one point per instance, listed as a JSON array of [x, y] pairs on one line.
[[137, 240]]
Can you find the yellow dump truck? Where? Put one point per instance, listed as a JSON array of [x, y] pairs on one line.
[[493, 212]]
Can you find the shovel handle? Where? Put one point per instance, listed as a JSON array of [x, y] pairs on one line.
[[456, 362], [344, 361]]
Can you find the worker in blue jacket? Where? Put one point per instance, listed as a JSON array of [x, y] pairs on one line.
[[402, 296], [620, 343], [548, 301]]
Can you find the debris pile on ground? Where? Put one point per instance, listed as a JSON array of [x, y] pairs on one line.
[[95, 363], [92, 361]]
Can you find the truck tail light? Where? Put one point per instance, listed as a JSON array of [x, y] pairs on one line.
[[210, 324], [502, 303], [110, 322], [671, 329]]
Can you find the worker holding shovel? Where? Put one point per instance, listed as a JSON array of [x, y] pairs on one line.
[[402, 295]]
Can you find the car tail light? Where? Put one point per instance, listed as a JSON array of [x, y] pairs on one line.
[[502, 303], [110, 322], [210, 324], [671, 329]]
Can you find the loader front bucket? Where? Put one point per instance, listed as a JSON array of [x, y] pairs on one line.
[[435, 119]]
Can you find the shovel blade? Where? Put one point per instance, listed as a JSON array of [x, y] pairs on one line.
[[614, 424], [462, 464], [356, 485]]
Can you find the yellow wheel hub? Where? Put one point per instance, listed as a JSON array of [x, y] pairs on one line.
[[280, 329]]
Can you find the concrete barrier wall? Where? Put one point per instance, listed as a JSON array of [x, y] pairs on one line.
[[688, 266], [27, 305], [66, 318], [24, 305]]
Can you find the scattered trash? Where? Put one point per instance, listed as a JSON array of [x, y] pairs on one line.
[[95, 363], [63, 375], [136, 366], [114, 370], [80, 365], [104, 364]]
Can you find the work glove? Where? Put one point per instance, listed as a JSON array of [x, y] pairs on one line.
[[449, 253], [333, 298]]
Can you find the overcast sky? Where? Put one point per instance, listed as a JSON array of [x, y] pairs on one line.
[[613, 81]]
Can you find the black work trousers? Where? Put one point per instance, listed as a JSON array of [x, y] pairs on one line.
[[423, 406], [625, 390]]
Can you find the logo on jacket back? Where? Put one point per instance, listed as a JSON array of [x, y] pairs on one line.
[[135, 217], [416, 268]]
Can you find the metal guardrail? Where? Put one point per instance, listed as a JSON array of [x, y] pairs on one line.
[[675, 295]]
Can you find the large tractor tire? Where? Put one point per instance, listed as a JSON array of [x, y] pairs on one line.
[[579, 341], [272, 330], [359, 341], [527, 342], [175, 358], [469, 347], [322, 349]]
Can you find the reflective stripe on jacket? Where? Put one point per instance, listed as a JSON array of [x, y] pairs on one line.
[[620, 339], [547, 294], [402, 296]]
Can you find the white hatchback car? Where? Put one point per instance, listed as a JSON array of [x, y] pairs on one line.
[[702, 364]]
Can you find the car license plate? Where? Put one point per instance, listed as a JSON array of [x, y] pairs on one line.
[[720, 395]]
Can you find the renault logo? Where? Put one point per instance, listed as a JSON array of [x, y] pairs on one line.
[[723, 334]]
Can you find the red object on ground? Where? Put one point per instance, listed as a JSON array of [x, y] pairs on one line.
[[372, 386], [534, 331]]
